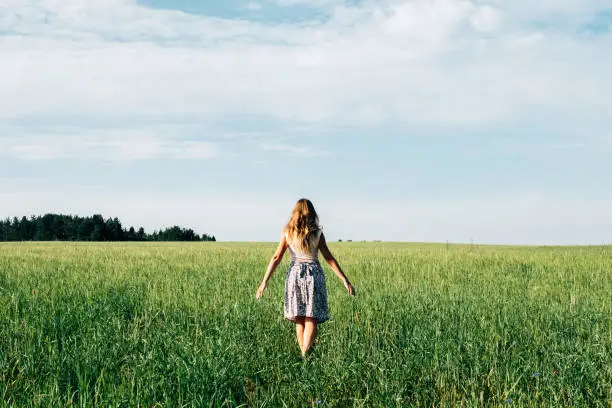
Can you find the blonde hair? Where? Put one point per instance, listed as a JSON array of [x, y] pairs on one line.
[[303, 225]]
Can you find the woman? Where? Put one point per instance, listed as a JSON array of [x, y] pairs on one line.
[[305, 300]]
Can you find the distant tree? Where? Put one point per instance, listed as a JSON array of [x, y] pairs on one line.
[[51, 227], [206, 237], [131, 234], [12, 232], [57, 230], [141, 236], [3, 230], [99, 228], [85, 229], [114, 231], [96, 234], [24, 227]]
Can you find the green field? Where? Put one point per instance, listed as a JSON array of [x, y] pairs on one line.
[[178, 325]]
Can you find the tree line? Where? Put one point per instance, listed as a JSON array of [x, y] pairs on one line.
[[58, 227]]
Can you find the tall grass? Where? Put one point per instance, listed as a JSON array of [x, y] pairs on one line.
[[178, 325]]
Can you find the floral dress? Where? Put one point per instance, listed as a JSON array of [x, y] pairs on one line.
[[305, 290]]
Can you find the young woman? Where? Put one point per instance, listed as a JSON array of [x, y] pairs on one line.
[[305, 300]]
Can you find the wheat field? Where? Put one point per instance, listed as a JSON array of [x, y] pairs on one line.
[[178, 325]]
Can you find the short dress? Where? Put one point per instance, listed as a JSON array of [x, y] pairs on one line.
[[305, 290]]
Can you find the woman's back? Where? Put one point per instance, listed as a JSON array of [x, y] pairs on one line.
[[299, 255]]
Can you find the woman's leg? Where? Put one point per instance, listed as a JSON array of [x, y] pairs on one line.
[[299, 331], [310, 333]]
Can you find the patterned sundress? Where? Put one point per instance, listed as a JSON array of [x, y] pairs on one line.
[[305, 290]]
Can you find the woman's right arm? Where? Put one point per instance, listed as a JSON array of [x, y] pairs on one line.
[[274, 262], [334, 265]]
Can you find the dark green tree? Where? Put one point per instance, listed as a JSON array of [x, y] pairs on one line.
[[57, 227]]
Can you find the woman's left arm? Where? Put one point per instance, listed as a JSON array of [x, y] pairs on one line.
[[274, 262]]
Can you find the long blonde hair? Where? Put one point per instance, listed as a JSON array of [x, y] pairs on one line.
[[303, 224]]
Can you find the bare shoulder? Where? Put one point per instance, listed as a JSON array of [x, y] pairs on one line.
[[282, 246], [324, 249]]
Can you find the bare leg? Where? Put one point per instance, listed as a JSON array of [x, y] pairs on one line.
[[299, 331], [310, 333]]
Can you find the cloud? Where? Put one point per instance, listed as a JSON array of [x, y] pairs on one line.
[[311, 3], [254, 6], [126, 77], [379, 62], [105, 145], [296, 150]]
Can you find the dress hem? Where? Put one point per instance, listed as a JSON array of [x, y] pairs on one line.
[[292, 318]]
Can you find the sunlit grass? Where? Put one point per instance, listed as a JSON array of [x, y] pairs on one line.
[[178, 324]]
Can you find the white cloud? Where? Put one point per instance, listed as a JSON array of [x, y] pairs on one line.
[[254, 6], [296, 150], [106, 145], [423, 62], [486, 19], [310, 3]]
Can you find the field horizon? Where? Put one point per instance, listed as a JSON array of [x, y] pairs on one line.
[[417, 244]]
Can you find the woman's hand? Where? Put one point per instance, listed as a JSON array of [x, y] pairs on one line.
[[260, 290], [274, 262], [334, 265], [349, 288]]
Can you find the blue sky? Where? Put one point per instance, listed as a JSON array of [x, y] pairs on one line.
[[405, 120]]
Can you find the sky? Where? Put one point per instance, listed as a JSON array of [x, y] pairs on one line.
[[485, 121]]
